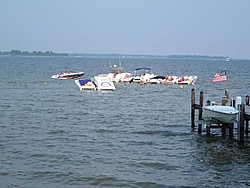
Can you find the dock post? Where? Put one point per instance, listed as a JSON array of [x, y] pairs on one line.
[[231, 130], [231, 125], [223, 129], [247, 120], [200, 112], [247, 100], [247, 125], [234, 104], [241, 126], [208, 129], [225, 98], [192, 108]]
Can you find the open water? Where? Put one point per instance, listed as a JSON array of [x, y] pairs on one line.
[[54, 135]]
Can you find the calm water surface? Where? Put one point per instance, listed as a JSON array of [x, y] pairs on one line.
[[54, 135]]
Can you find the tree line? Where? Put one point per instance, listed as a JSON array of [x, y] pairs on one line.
[[34, 53]]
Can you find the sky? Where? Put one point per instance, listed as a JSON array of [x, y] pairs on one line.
[[143, 27]]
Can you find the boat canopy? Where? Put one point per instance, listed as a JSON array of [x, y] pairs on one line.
[[83, 82], [144, 68]]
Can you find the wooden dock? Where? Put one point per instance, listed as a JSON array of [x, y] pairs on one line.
[[242, 123]]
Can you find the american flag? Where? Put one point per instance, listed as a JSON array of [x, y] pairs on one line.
[[220, 77]]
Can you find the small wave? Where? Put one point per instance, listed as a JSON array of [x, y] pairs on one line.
[[57, 132]]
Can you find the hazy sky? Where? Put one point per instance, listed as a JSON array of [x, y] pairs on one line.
[[153, 27]]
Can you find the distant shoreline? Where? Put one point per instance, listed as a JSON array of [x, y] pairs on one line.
[[34, 53], [111, 55]]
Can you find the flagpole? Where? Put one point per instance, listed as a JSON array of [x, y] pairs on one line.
[[226, 76], [221, 78]]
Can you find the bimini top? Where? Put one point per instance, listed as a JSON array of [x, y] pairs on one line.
[[83, 82], [144, 68]]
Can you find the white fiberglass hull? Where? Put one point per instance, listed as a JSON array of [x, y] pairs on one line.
[[103, 82], [120, 77], [85, 85], [187, 80], [223, 114]]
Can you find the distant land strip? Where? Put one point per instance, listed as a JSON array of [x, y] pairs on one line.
[[111, 55], [34, 53]]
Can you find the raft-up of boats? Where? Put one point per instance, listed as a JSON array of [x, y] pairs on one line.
[[141, 75]]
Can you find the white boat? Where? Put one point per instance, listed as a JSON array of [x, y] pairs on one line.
[[187, 80], [103, 82], [225, 114], [181, 80], [171, 80], [143, 75], [126, 77], [117, 75], [86, 84], [157, 80], [68, 75]]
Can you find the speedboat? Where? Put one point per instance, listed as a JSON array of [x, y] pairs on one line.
[[181, 80], [224, 114], [143, 75], [126, 77], [171, 79], [187, 80], [117, 75], [157, 80], [86, 84], [103, 82], [68, 75]]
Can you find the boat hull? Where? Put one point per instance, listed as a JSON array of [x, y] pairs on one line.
[[103, 82], [120, 77], [67, 76], [225, 114], [87, 85], [187, 80]]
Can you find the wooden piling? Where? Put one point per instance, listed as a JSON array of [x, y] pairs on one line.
[[241, 125], [247, 116], [233, 103], [223, 129], [247, 125], [225, 98], [200, 112], [208, 129], [231, 130], [247, 100], [193, 108]]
